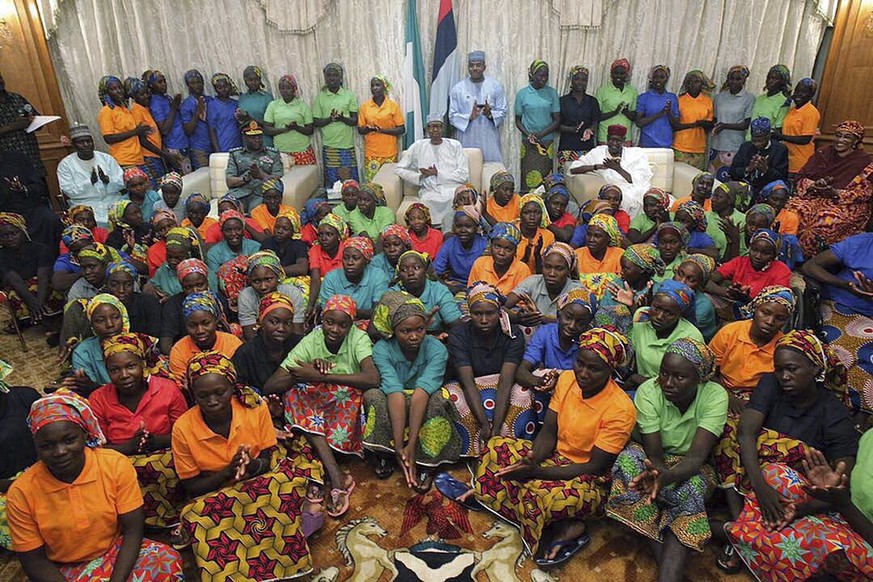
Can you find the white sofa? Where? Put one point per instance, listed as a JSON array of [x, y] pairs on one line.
[[300, 181], [399, 194]]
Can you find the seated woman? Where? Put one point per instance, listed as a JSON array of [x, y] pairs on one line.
[[673, 239], [136, 411], [644, 226], [725, 224], [171, 192], [323, 379], [553, 347], [108, 317], [194, 276], [621, 297], [533, 223], [266, 214], [500, 266], [502, 203], [800, 405], [485, 352], [414, 277], [424, 238], [258, 358], [701, 192], [129, 233], [661, 482], [286, 243], [162, 221], [349, 196], [66, 269], [846, 273], [548, 487], [313, 212], [602, 251], [58, 537], [94, 259], [203, 316], [458, 253], [563, 224], [181, 243], [325, 255], [357, 278], [263, 275], [138, 188], [466, 195], [777, 194], [196, 211], [656, 327], [407, 420], [833, 191], [83, 215], [251, 231], [371, 216], [586, 211], [758, 217], [26, 272], [537, 296], [224, 449], [394, 240], [744, 349], [693, 217], [612, 194], [233, 244], [695, 272]]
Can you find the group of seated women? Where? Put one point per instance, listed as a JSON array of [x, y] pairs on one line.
[[588, 364]]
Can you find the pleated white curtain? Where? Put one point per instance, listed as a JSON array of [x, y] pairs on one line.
[[125, 37]]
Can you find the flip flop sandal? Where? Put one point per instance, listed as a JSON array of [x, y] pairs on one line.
[[453, 489], [311, 522], [567, 549], [179, 538], [315, 492], [385, 467], [424, 482], [725, 561], [335, 496]]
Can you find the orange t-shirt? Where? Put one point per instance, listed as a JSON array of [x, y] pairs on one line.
[[740, 361], [800, 121], [707, 204], [197, 449], [120, 120], [204, 227], [611, 262], [691, 109], [267, 221], [548, 238], [78, 521], [225, 344], [483, 270], [386, 116], [142, 115], [508, 213], [604, 421], [789, 222]]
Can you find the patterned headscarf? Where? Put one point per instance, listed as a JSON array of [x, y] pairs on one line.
[[760, 126], [349, 184], [678, 228], [198, 201], [343, 304], [163, 214], [700, 176], [398, 231], [122, 267], [505, 231], [500, 178], [772, 187], [620, 63], [783, 72], [659, 195], [124, 342], [257, 71], [133, 85], [553, 179], [657, 68], [361, 244], [273, 184], [772, 294], [854, 127], [469, 211], [578, 296], [646, 257], [610, 346], [374, 190], [213, 362], [152, 77], [557, 190], [310, 210], [75, 233], [272, 301], [810, 83], [697, 214], [385, 82], [421, 207], [336, 67], [395, 307], [483, 292], [172, 179], [190, 74], [576, 70], [833, 372], [545, 221], [290, 214], [564, 251], [202, 301], [423, 257], [707, 84], [741, 69], [190, 267], [237, 203], [76, 210], [536, 66], [134, 173], [268, 260], [107, 299], [607, 224], [705, 263], [225, 77], [336, 222], [291, 80], [230, 215], [101, 252], [232, 278], [771, 237], [186, 239], [14, 220], [678, 292], [696, 352], [66, 405], [103, 90]]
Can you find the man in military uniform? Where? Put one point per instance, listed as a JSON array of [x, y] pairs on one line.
[[250, 165]]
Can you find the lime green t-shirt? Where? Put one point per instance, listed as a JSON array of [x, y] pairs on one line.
[[650, 348], [773, 108], [281, 114], [609, 97], [356, 348], [336, 134], [861, 483], [382, 218]]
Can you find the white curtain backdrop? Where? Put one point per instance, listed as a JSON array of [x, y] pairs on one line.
[[91, 38]]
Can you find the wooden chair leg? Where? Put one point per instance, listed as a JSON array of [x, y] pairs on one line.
[[15, 324]]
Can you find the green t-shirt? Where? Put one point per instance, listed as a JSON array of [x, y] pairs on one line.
[[641, 223], [356, 348], [717, 235], [281, 114], [609, 97], [650, 348], [382, 218], [773, 108], [336, 134], [657, 414], [861, 483]]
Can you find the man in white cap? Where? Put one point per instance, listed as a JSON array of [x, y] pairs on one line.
[[90, 177], [437, 165], [477, 108]]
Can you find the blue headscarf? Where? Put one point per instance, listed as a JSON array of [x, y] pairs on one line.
[[506, 231], [769, 188], [760, 126], [311, 209], [678, 292], [202, 301]]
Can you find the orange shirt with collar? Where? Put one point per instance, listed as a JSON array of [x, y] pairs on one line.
[[161, 405], [547, 237], [204, 227], [610, 263], [483, 270], [508, 213], [740, 361], [116, 120], [800, 121], [267, 221], [141, 115], [183, 350]]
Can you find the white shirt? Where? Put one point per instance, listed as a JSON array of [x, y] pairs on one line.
[[74, 176], [482, 133], [635, 163], [436, 192]]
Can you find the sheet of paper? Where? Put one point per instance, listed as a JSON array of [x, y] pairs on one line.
[[39, 121]]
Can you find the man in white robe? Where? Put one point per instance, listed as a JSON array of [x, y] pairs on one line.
[[477, 108], [627, 168], [90, 177], [437, 165]]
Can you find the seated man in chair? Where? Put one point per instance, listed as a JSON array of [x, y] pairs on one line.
[[761, 160], [250, 165]]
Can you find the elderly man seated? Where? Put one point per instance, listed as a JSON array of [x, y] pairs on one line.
[[627, 168], [89, 177], [762, 160], [437, 165], [250, 165]]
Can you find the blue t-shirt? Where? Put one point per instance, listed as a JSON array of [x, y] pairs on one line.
[[455, 258], [220, 116], [199, 140], [544, 349], [160, 109], [659, 133], [855, 254]]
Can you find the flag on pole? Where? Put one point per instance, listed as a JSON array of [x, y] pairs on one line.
[[414, 97], [445, 60]]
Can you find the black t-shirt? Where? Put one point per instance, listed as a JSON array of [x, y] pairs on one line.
[[572, 113], [485, 355], [17, 451], [145, 314], [289, 252], [141, 234], [26, 260], [253, 365]]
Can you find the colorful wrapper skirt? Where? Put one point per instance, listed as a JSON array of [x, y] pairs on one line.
[[155, 170], [534, 504], [808, 546], [681, 507], [372, 166], [536, 164], [438, 440], [567, 156], [5, 536], [851, 337], [156, 563], [162, 491], [696, 160], [520, 421], [304, 158], [54, 303], [340, 164], [329, 410], [252, 530]]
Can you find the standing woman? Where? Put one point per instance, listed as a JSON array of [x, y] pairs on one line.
[[537, 116], [381, 122], [580, 115], [254, 102], [695, 120], [773, 103], [165, 112], [194, 113], [335, 111], [733, 114], [657, 111], [154, 154], [289, 120], [118, 126], [223, 127], [800, 125], [617, 100]]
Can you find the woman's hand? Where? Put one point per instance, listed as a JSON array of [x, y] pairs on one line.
[[623, 295], [736, 405], [546, 382], [307, 372], [862, 286], [406, 461], [649, 482], [826, 484], [731, 231], [523, 470], [740, 293], [774, 507]]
